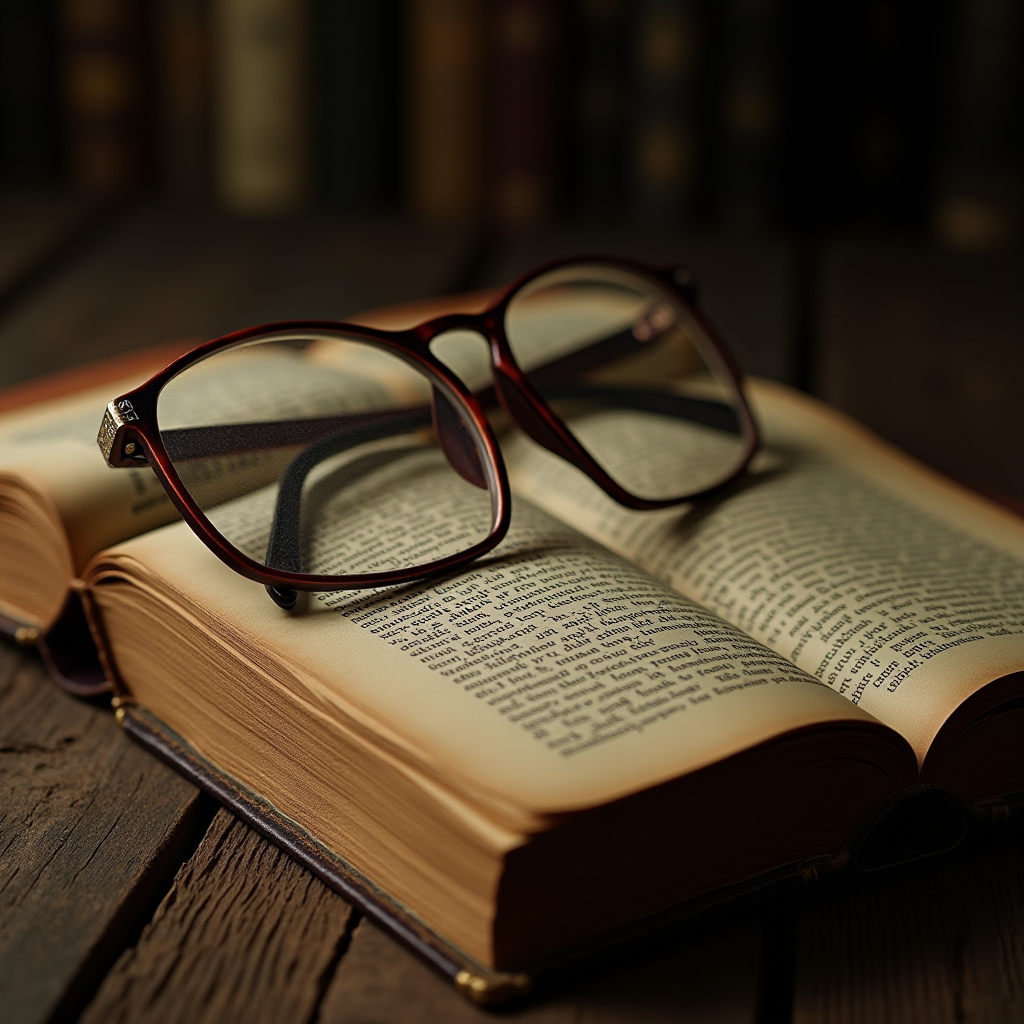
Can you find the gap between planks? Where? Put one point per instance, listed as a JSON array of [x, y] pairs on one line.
[[92, 831], [247, 934], [940, 943]]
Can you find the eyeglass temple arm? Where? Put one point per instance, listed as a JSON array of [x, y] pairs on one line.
[[238, 438], [199, 443], [283, 549], [218, 440], [708, 412]]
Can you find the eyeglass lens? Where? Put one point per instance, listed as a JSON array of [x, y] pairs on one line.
[[333, 455], [327, 455], [633, 376]]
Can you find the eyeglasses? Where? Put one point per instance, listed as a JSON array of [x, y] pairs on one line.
[[319, 455]]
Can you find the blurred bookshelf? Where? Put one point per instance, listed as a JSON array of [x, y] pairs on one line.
[[749, 116], [845, 178]]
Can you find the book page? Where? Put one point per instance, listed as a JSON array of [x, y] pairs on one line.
[[549, 676], [895, 588], [51, 447]]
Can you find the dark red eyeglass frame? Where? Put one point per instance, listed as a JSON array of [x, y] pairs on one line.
[[129, 435]]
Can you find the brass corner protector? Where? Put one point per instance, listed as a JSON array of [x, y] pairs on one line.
[[26, 636], [120, 703], [489, 990]]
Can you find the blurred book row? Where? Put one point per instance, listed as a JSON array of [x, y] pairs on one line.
[[749, 114]]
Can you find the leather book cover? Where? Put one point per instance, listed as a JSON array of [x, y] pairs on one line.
[[912, 825]]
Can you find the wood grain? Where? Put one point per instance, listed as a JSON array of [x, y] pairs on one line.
[[161, 275], [712, 979], [244, 934], [942, 943], [91, 832]]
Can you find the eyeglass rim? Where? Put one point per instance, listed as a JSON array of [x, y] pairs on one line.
[[680, 280], [145, 430], [133, 419]]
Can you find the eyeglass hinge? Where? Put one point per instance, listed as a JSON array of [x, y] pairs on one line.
[[116, 449]]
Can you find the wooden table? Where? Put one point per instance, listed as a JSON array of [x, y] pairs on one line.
[[125, 895]]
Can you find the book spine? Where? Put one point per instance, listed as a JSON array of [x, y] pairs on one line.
[[600, 37], [104, 94], [749, 113], [355, 56], [980, 188], [892, 113], [260, 105], [526, 110], [184, 96], [666, 142], [29, 126], [445, 83]]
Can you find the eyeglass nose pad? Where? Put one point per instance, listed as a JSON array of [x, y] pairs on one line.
[[456, 441], [525, 413]]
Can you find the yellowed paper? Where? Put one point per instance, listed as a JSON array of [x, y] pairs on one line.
[[548, 677], [899, 590]]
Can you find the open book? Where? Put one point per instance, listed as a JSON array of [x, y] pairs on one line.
[[613, 716]]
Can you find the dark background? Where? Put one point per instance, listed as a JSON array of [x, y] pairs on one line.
[[846, 178]]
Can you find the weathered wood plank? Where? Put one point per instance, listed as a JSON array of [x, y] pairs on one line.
[[162, 275], [710, 979], [92, 830], [244, 934], [943, 943], [749, 286]]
